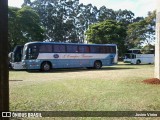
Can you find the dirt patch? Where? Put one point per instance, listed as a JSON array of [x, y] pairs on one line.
[[152, 81]]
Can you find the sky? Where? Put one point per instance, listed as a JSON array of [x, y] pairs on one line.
[[138, 7]]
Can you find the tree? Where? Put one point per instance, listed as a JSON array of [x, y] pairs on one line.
[[14, 33], [24, 26], [56, 17], [106, 14], [67, 20], [142, 32], [135, 34], [86, 15], [150, 27], [147, 49], [108, 32], [64, 20], [124, 16]]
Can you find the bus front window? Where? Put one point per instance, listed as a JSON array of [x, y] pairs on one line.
[[24, 52], [32, 52]]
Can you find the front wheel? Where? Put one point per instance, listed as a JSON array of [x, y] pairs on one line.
[[97, 64], [46, 66]]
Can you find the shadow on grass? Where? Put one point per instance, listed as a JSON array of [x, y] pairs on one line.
[[64, 70], [15, 80], [17, 70], [128, 64]]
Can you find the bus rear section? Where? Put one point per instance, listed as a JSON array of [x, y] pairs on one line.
[[139, 58], [15, 58]]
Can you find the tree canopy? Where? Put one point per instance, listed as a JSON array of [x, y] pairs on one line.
[[70, 21], [143, 31], [67, 20], [24, 26], [108, 32]]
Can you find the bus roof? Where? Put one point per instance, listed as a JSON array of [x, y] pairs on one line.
[[68, 43], [134, 49]]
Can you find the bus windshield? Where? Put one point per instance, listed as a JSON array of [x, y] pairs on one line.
[[30, 52]]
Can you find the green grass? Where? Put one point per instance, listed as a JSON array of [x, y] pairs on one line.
[[115, 88]]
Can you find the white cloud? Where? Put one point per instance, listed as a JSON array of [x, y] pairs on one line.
[[15, 3], [139, 7], [143, 6]]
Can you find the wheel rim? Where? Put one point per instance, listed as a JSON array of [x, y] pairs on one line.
[[46, 67], [138, 62], [97, 65]]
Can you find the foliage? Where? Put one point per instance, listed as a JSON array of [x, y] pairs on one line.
[[150, 24], [63, 20], [124, 16], [148, 49], [107, 32], [24, 26], [106, 14], [135, 33], [142, 32], [68, 20]]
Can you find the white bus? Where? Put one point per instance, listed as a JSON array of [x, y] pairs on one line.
[[134, 56], [48, 55]]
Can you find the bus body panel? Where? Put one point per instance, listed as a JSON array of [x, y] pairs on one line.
[[67, 55], [70, 60], [17, 65]]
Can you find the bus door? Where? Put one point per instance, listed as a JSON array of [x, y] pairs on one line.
[[133, 58]]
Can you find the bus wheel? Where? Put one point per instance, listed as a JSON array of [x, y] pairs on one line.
[[97, 64], [46, 66], [89, 67], [138, 62]]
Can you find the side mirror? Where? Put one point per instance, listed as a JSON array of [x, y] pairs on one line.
[[10, 55]]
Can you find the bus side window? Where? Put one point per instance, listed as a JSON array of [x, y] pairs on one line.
[[102, 49], [45, 48], [94, 49], [87, 49], [72, 48], [113, 49], [84, 49], [59, 48]]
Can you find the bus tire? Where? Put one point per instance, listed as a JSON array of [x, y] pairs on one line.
[[46, 66], [97, 64], [138, 62], [89, 67]]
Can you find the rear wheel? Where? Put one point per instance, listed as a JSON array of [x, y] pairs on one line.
[[97, 64], [89, 67], [46, 66], [138, 62]]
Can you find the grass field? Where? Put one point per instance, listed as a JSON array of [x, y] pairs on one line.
[[115, 88]]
